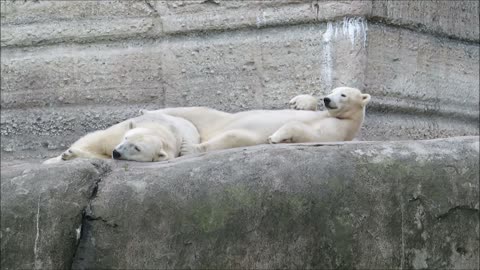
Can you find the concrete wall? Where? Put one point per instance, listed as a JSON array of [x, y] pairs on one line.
[[68, 68]]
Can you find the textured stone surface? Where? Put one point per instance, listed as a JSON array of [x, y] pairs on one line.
[[426, 86], [366, 205], [230, 71], [79, 66], [456, 19], [421, 72], [42, 212]]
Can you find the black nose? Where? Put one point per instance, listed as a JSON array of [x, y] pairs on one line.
[[116, 154], [326, 100]]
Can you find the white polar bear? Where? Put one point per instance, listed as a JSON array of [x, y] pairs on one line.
[[145, 138], [219, 130]]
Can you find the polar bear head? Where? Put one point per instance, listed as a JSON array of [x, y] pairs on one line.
[[144, 143], [346, 102]]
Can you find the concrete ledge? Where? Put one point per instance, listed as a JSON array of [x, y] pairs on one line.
[[32, 24], [31, 12], [39, 133], [40, 23], [75, 32], [355, 205]]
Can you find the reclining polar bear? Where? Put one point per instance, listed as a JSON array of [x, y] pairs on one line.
[[153, 137], [219, 130], [167, 133]]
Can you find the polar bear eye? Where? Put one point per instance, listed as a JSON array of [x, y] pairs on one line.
[[343, 95], [161, 155]]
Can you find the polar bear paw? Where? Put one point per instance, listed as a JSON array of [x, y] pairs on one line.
[[276, 139], [69, 154], [304, 103], [188, 148]]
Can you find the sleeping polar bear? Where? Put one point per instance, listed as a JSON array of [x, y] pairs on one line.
[[221, 130], [145, 138]]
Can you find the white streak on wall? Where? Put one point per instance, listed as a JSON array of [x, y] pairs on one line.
[[364, 31], [261, 20], [327, 54], [353, 29]]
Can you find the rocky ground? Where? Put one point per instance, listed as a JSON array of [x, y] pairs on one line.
[[405, 204]]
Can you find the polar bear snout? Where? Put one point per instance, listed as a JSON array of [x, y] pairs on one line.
[[116, 154], [329, 103]]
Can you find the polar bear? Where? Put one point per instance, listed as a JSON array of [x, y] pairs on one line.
[[220, 130], [145, 138]]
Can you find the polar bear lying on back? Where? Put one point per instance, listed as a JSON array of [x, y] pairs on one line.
[[219, 130], [153, 137]]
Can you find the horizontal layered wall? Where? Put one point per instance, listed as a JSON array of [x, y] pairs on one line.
[[73, 67]]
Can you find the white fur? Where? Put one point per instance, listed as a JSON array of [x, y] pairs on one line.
[[158, 137], [304, 102], [220, 130]]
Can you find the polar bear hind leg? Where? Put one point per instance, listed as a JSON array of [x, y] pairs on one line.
[[293, 132], [226, 140]]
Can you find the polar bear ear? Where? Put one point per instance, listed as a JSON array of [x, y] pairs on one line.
[[162, 154], [365, 99], [130, 125]]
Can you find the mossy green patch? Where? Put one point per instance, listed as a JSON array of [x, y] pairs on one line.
[[212, 213]]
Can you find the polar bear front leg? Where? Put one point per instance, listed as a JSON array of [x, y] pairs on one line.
[[304, 102], [72, 153], [293, 132], [69, 154], [190, 148]]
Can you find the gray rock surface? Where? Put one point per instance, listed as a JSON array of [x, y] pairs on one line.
[[42, 212], [64, 60], [365, 205]]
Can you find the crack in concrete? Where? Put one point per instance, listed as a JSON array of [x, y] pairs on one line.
[[151, 7], [107, 222], [402, 259], [38, 263], [455, 209], [419, 28], [211, 2], [316, 7], [87, 213]]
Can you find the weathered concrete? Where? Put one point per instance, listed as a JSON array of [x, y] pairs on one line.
[[369, 205], [188, 71], [62, 61], [155, 19], [455, 19], [426, 86], [430, 74]]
